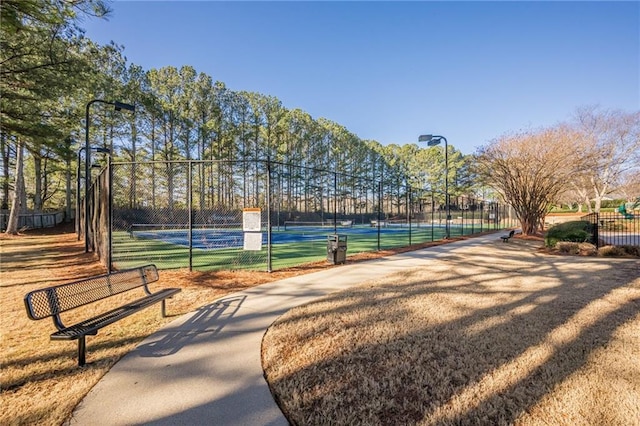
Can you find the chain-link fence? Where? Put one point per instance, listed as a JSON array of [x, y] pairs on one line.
[[262, 215]]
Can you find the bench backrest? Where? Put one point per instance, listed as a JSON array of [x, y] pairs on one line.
[[51, 301]]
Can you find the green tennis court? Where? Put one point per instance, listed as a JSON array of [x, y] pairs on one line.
[[214, 249]]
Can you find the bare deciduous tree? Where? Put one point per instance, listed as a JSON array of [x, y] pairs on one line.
[[530, 170], [630, 185], [612, 140]]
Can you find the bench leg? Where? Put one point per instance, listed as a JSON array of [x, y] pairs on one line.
[[164, 308], [81, 351]]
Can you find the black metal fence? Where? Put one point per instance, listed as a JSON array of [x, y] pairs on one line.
[[263, 215], [615, 228]]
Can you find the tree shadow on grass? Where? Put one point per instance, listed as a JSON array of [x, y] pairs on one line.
[[489, 364]]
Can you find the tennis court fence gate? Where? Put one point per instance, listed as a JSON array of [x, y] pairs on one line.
[[614, 228], [189, 214]]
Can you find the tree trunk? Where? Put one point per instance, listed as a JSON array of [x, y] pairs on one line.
[[17, 204], [597, 204], [67, 212], [37, 196], [528, 226], [4, 149], [587, 202]]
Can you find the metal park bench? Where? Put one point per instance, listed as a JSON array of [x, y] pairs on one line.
[[505, 238], [52, 301]]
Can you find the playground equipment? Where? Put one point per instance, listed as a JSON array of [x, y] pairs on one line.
[[627, 209]]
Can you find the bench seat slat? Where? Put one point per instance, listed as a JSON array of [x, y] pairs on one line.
[[54, 300], [92, 325]]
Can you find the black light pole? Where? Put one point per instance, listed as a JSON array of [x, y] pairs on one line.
[[87, 177], [78, 193], [432, 140]]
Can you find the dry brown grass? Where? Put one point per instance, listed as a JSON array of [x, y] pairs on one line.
[[40, 381], [531, 339]]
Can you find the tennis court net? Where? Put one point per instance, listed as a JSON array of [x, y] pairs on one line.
[[327, 224], [147, 228]]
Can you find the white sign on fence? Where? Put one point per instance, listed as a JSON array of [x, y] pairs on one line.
[[251, 220], [252, 227], [253, 241]]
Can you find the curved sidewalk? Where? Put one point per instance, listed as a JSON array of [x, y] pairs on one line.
[[205, 367]]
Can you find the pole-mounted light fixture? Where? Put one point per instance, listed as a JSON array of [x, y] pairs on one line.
[[121, 105], [433, 140]]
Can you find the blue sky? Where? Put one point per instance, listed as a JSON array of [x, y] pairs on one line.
[[390, 71]]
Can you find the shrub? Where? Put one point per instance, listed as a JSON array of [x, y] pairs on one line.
[[611, 251], [619, 251], [587, 249], [577, 231], [631, 250], [611, 204], [568, 247]]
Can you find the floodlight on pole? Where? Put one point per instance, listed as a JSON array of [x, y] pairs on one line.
[[121, 105], [118, 107], [433, 140]]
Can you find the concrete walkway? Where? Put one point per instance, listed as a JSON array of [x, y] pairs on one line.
[[205, 367]]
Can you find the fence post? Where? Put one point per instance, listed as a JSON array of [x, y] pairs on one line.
[[379, 210], [269, 260], [109, 214], [409, 210], [596, 229], [461, 209], [190, 211], [446, 224], [472, 202], [433, 206], [335, 202]]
